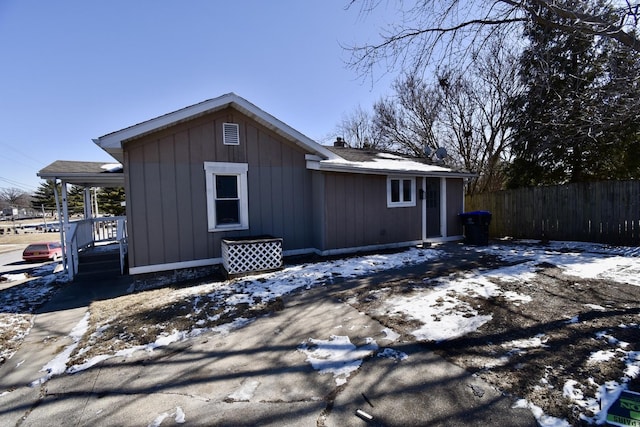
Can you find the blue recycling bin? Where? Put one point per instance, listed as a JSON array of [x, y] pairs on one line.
[[476, 227]]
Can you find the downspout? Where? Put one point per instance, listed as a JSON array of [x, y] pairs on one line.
[[59, 212]]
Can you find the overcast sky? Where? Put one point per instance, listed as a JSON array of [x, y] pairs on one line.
[[76, 70]]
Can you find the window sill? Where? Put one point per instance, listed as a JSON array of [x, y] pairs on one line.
[[234, 227], [401, 205]]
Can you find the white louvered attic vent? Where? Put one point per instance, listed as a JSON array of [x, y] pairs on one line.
[[231, 134]]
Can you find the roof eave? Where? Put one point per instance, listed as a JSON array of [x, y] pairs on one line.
[[347, 168], [113, 143], [86, 179]]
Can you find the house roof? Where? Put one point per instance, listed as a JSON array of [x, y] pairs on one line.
[[376, 162], [85, 174], [113, 142]]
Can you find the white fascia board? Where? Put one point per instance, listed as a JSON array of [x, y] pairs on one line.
[[112, 143], [115, 139], [99, 179], [313, 162]]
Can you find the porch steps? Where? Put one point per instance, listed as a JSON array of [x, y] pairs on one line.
[[99, 264]]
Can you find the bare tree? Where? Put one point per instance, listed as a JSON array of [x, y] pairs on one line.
[[467, 113], [358, 130], [14, 197], [476, 115], [407, 121], [455, 30]]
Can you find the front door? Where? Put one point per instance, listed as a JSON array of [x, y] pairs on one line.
[[432, 198]]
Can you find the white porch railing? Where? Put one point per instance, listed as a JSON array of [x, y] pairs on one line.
[[79, 235]]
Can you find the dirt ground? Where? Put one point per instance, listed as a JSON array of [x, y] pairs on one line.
[[537, 374]]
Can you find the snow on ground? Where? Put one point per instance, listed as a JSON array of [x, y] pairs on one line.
[[337, 355], [19, 300], [442, 302]]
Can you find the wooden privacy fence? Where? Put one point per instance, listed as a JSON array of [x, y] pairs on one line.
[[604, 212]]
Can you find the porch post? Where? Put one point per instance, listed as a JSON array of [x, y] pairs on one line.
[[65, 205], [443, 207], [87, 202], [65, 254]]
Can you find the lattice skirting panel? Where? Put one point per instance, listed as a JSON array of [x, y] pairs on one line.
[[251, 255]]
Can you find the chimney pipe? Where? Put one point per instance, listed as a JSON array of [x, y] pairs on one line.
[[339, 142]]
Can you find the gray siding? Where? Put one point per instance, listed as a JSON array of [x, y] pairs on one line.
[[319, 217], [166, 199], [356, 213]]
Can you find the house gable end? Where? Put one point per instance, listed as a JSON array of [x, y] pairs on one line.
[[113, 142]]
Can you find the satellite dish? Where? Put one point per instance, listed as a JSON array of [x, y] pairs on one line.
[[427, 150], [441, 153]]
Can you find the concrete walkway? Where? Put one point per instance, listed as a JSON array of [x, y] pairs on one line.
[[254, 376]]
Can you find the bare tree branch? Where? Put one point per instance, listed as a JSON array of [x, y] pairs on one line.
[[439, 31]]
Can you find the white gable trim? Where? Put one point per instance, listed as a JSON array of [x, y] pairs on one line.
[[112, 143]]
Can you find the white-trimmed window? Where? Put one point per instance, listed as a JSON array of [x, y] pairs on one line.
[[401, 192], [227, 196], [230, 134]]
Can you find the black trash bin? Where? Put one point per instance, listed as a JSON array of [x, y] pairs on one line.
[[476, 227]]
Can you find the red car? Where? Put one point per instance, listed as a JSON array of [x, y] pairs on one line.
[[45, 251]]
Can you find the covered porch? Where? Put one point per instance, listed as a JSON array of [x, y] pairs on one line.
[[90, 230]]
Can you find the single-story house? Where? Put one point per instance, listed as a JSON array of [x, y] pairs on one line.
[[224, 169]]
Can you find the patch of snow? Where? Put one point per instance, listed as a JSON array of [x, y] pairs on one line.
[[157, 421], [390, 353], [58, 365], [601, 356], [536, 342], [111, 167], [245, 392], [389, 164], [632, 360], [91, 362], [337, 355], [516, 297], [14, 277], [542, 419], [238, 323], [570, 391], [442, 317], [617, 268], [390, 334], [180, 416]]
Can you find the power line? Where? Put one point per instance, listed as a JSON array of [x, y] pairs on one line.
[[26, 156], [22, 186]]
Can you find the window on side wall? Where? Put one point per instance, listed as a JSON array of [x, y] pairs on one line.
[[401, 192], [227, 204]]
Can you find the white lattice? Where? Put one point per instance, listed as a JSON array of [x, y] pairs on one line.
[[244, 256]]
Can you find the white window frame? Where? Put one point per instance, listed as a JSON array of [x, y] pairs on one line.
[[230, 129], [402, 203], [222, 168]]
